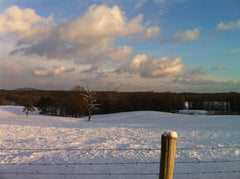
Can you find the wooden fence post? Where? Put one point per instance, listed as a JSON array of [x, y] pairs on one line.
[[168, 150]]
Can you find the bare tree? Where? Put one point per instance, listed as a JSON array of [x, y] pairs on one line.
[[91, 102]]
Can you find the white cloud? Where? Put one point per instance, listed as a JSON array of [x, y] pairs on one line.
[[152, 33], [25, 23], [118, 55], [187, 35], [229, 26], [98, 27], [109, 57], [149, 33], [137, 62], [153, 67], [87, 40], [59, 71], [41, 73]]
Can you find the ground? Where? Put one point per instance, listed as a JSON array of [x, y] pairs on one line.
[[62, 147]]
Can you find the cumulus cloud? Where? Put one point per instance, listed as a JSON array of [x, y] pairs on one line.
[[98, 27], [117, 55], [187, 35], [51, 48], [87, 40], [152, 33], [153, 67], [229, 26], [24, 23]]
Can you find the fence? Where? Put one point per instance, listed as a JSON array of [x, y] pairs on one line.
[[167, 149]]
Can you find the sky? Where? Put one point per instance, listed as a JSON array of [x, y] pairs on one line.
[[121, 45]]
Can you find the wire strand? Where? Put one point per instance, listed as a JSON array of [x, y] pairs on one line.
[[210, 172], [41, 173], [213, 161], [75, 149], [209, 148], [144, 149], [111, 163], [38, 173], [115, 163]]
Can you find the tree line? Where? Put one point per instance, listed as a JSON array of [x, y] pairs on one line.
[[73, 102]]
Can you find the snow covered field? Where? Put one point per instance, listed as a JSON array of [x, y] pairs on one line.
[[133, 130]]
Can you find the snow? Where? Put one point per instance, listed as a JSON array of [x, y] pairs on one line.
[[172, 134], [131, 130]]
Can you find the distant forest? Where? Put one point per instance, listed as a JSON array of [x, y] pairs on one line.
[[71, 103]]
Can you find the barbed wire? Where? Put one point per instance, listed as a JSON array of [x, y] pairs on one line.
[[116, 163], [209, 161], [209, 148], [210, 172], [141, 174], [109, 163], [41, 173], [75, 149], [99, 149]]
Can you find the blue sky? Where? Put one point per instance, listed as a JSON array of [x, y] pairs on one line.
[[158, 45]]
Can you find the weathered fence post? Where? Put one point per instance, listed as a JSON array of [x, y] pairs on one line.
[[168, 150]]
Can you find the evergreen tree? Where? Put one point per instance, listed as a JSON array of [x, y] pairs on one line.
[[28, 108]]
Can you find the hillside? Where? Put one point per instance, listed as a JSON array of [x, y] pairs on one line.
[[116, 143]]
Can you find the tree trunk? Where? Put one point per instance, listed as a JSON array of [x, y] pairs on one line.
[[90, 115]]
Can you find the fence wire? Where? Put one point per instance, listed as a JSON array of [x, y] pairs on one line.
[[211, 161], [209, 148], [109, 163], [76, 149], [40, 173], [115, 163], [126, 149], [141, 174], [210, 172]]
